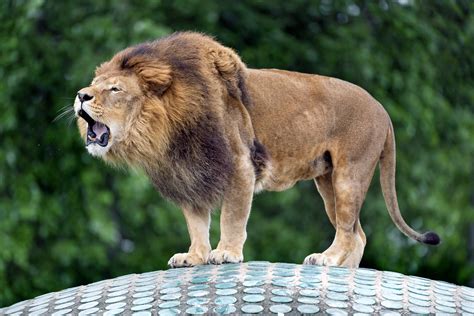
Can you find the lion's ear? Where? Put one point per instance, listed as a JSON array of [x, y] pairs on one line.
[[157, 76]]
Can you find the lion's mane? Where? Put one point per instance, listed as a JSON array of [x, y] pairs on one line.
[[178, 135]]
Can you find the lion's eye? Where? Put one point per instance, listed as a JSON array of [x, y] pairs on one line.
[[115, 89]]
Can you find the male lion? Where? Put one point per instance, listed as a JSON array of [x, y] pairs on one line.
[[208, 131]]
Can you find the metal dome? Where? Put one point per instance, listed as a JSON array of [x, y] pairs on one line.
[[255, 288]]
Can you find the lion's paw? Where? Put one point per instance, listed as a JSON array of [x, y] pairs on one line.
[[225, 256], [186, 259], [320, 259]]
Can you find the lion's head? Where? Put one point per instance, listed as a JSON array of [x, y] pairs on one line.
[[159, 106], [122, 103]]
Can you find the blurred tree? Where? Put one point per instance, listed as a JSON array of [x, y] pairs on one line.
[[67, 219]]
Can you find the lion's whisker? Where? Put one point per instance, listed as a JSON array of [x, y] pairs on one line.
[[68, 112]]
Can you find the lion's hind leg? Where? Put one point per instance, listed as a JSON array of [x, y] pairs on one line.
[[343, 192]]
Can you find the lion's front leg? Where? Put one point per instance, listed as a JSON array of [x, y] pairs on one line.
[[234, 215], [198, 227]]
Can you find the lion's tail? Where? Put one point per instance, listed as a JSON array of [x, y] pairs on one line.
[[387, 181]]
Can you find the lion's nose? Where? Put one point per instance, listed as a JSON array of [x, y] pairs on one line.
[[84, 97]]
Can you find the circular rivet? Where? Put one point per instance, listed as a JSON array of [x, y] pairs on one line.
[[170, 284], [89, 311], [197, 301], [225, 285], [62, 312], [445, 309], [311, 293], [392, 297], [91, 288], [336, 296], [87, 305], [199, 280], [141, 307], [196, 310], [91, 298], [64, 300], [308, 309], [308, 300], [337, 281], [253, 283], [362, 308], [192, 288], [365, 300], [445, 303], [93, 293], [62, 306], [227, 279], [116, 306], [144, 288], [392, 304], [114, 312], [118, 288], [66, 294], [170, 290], [280, 309], [225, 309], [251, 308], [253, 298], [420, 303], [336, 312], [38, 312], [424, 297], [365, 292], [169, 304], [171, 297], [419, 310], [198, 293], [117, 293], [281, 299], [281, 292], [169, 312], [307, 285], [283, 273], [364, 282], [394, 286], [254, 290], [143, 300], [281, 282], [20, 306], [226, 291], [142, 294], [336, 304], [143, 313], [225, 300]]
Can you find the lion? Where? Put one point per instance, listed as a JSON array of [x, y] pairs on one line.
[[210, 132]]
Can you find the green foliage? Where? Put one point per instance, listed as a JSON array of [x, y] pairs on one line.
[[67, 219]]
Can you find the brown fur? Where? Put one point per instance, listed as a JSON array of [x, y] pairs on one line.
[[209, 131]]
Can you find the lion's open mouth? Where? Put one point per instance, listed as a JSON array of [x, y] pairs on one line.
[[97, 133]]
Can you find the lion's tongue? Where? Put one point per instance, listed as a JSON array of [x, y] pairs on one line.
[[99, 129]]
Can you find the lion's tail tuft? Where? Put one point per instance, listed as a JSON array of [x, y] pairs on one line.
[[430, 238]]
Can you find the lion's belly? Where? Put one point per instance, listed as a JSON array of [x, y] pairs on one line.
[[283, 174]]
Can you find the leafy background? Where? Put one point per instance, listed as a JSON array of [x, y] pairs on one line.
[[67, 219]]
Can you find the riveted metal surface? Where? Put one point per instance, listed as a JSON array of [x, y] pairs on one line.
[[255, 288]]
